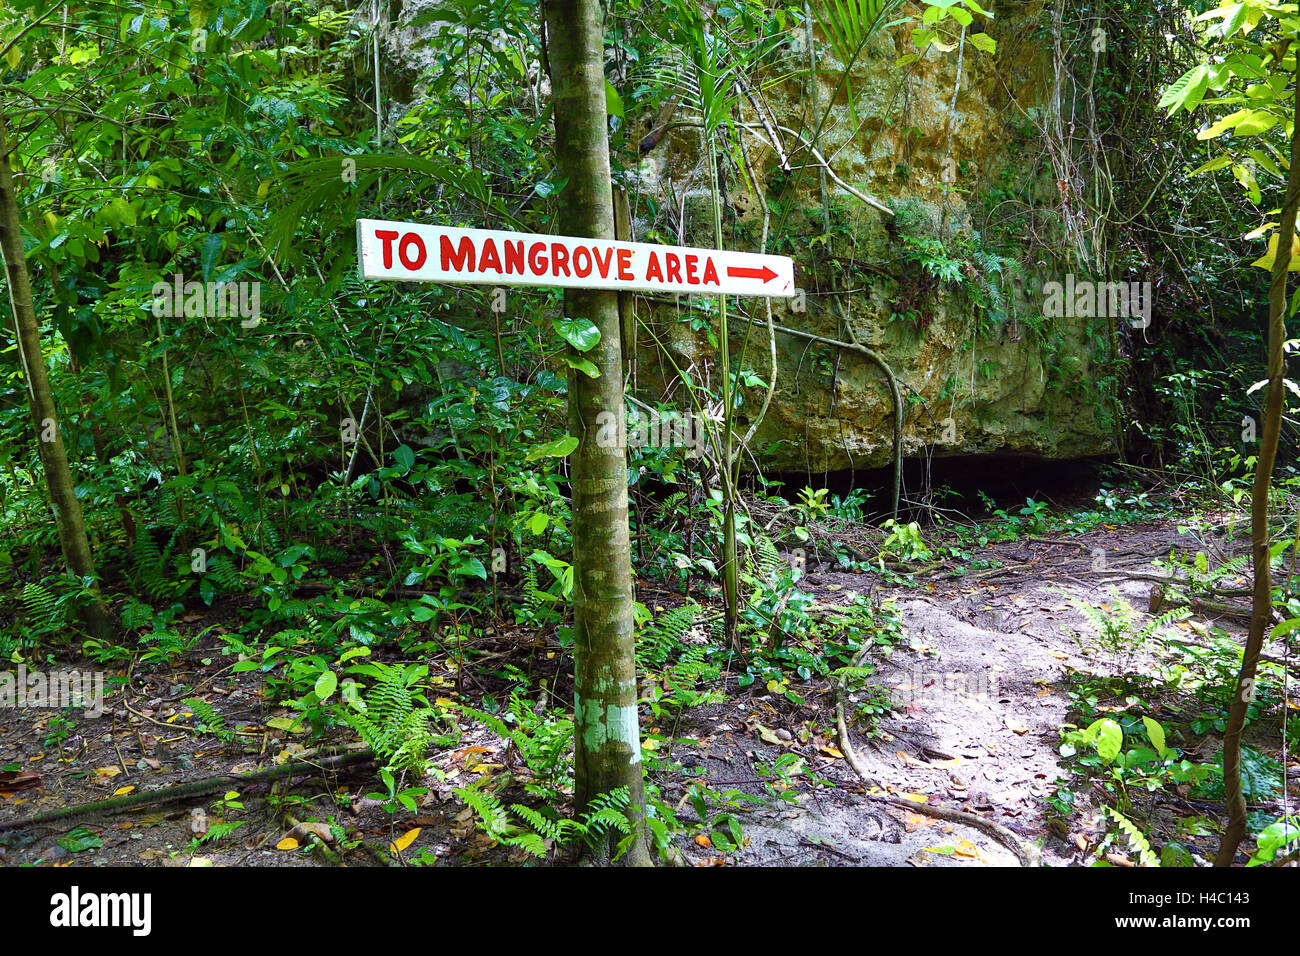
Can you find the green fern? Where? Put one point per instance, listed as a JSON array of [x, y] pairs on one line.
[[496, 822], [223, 571], [151, 574], [1119, 627], [391, 723], [670, 504], [208, 720], [136, 615], [1136, 839], [766, 563], [663, 636], [543, 741], [43, 610], [606, 812], [531, 829]]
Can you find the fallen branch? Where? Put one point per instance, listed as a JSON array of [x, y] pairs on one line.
[[184, 791]]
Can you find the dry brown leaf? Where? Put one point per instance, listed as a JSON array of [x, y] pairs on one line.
[[911, 761]]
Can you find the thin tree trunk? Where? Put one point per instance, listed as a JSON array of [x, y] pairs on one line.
[[1262, 604], [607, 740], [45, 418]]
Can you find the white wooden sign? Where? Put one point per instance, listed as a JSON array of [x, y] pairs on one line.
[[410, 252]]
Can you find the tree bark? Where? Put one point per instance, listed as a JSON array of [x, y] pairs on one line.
[[45, 418], [607, 744], [1262, 602]]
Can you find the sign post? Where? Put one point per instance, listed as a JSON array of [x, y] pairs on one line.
[[410, 252]]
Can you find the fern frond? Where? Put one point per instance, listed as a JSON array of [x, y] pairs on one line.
[[42, 607], [1136, 839]]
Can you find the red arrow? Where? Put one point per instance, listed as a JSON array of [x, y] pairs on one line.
[[741, 272]]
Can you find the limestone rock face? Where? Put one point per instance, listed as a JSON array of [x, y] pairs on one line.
[[948, 291]]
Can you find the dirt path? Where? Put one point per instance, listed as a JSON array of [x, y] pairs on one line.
[[979, 684]]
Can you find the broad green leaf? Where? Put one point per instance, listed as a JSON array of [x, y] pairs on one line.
[[1267, 259], [583, 366], [1245, 175], [1157, 735], [1222, 126], [1265, 161], [209, 253], [80, 839], [1108, 736], [1286, 627], [1257, 122], [1186, 91], [1219, 162], [326, 684], [982, 41], [613, 102], [560, 448], [582, 334], [404, 456]]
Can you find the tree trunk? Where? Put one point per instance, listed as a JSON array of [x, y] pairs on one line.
[[1262, 603], [45, 419], [607, 744]]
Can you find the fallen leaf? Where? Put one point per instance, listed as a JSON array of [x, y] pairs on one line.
[[1016, 727], [832, 752], [768, 736], [107, 771], [288, 843], [704, 841], [403, 841], [466, 751], [123, 790], [289, 725]]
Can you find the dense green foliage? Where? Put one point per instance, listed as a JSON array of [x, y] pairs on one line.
[[366, 484]]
